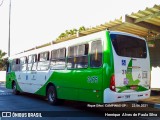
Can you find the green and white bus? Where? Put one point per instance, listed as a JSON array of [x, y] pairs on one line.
[[104, 67]]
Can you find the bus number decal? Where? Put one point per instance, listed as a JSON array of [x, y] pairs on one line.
[[92, 79]]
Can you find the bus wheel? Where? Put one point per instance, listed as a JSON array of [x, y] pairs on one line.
[[52, 95], [15, 91]]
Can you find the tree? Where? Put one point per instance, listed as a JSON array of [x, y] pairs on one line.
[[82, 28], [62, 35], [67, 33], [74, 31], [2, 61]]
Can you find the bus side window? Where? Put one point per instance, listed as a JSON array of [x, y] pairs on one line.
[[23, 63], [78, 56], [96, 54], [32, 62], [16, 65], [58, 59], [8, 67], [43, 61], [82, 59], [72, 52], [29, 63]]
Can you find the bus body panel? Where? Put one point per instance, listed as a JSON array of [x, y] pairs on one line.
[[79, 84]]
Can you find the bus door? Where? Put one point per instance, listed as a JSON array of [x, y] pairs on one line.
[[42, 74], [31, 76], [21, 74], [8, 75], [31, 79], [16, 71]]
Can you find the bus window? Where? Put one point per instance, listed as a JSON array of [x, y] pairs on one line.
[[23, 63], [96, 54], [58, 59], [78, 56], [128, 46], [43, 61], [8, 67], [16, 65], [32, 62]]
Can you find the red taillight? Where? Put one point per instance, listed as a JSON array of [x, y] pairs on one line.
[[112, 83], [146, 94]]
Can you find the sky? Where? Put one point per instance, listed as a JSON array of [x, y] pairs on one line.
[[35, 22]]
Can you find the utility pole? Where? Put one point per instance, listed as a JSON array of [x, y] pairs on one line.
[[9, 28]]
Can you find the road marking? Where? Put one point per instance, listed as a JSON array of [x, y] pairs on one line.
[[5, 93], [1, 91]]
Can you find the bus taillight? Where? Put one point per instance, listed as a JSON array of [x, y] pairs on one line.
[[146, 94], [112, 83]]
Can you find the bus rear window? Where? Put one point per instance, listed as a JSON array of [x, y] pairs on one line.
[[129, 46]]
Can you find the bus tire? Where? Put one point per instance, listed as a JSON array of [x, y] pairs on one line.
[[14, 88], [52, 95]]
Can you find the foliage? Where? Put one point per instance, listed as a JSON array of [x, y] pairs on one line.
[[68, 33], [82, 28], [3, 62]]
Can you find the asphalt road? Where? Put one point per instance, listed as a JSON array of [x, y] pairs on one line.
[[26, 104]]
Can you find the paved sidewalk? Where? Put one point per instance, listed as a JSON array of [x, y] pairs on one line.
[[2, 83]]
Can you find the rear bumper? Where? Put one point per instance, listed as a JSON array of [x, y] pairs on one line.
[[110, 96]]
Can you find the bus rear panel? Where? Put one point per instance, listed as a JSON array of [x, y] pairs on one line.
[[131, 77]]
